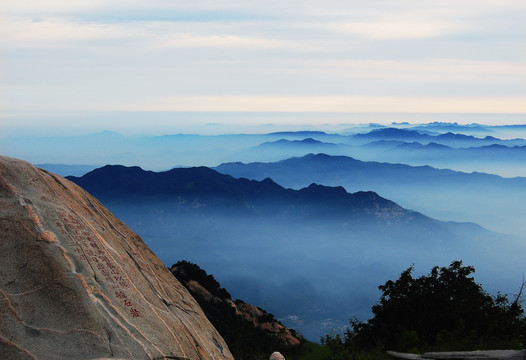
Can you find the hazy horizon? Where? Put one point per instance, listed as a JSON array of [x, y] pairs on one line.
[[157, 123]]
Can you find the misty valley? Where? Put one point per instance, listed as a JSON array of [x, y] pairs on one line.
[[308, 224]]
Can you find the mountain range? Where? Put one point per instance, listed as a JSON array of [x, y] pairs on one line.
[[308, 238], [449, 138], [399, 143], [298, 253], [201, 190], [490, 200], [453, 151]]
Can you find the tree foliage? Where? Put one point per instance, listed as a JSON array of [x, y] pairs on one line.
[[445, 310]]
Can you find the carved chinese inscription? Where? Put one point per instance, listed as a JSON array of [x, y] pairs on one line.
[[91, 251]]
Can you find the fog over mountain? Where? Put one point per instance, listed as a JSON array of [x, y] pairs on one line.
[[423, 136], [356, 214], [311, 256], [493, 201], [455, 151], [432, 144]]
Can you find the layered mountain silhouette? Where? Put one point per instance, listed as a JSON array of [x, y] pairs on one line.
[[76, 283], [374, 143], [475, 197], [392, 143], [433, 151], [329, 169], [424, 137], [449, 150], [204, 190], [309, 143], [310, 256]]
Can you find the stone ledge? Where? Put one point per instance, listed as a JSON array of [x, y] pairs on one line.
[[465, 355]]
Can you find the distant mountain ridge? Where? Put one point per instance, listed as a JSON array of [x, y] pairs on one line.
[[449, 138], [201, 189], [478, 197], [161, 152], [329, 169], [392, 134], [305, 141]]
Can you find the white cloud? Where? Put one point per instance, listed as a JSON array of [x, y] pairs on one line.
[[58, 32], [399, 30], [301, 7], [24, 7], [54, 32], [507, 105], [411, 70], [193, 40], [380, 48]]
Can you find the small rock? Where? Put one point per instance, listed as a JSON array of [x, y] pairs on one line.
[[276, 356]]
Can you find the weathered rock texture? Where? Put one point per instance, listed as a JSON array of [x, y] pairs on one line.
[[464, 355], [255, 315], [76, 283], [276, 356]]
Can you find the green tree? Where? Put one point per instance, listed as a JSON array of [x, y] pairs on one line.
[[444, 310]]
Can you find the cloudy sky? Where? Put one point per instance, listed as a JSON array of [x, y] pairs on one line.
[[375, 56]]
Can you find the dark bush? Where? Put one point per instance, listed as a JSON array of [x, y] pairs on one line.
[[445, 310]]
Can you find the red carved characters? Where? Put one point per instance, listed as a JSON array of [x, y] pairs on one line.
[[88, 248]]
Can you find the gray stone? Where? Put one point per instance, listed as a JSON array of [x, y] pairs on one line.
[[475, 355], [465, 355], [276, 356]]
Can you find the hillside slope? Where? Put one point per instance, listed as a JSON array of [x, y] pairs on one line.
[[248, 330]]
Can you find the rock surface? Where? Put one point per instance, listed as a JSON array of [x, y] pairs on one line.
[[276, 356], [76, 283], [255, 315], [464, 355]]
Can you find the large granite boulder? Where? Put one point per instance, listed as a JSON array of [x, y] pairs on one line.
[[76, 283]]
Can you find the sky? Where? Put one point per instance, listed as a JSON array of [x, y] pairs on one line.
[[85, 57]]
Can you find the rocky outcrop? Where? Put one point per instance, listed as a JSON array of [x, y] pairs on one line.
[[276, 356], [263, 320], [241, 317], [464, 355], [76, 283]]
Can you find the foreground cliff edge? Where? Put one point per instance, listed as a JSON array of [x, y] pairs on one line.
[[75, 282]]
